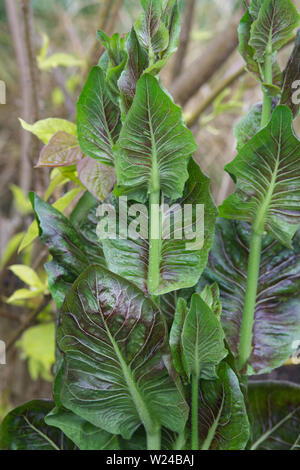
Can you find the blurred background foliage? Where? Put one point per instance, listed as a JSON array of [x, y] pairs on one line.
[[64, 47]]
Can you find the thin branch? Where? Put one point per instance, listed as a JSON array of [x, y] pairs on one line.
[[27, 322], [184, 38], [191, 120], [203, 68]]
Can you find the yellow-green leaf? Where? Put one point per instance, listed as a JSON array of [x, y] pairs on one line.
[[46, 128]]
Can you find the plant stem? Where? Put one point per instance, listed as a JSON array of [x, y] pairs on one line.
[[195, 418], [250, 300], [268, 78], [154, 440], [246, 336]]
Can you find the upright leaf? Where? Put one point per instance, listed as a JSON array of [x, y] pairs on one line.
[[268, 180], [202, 340], [71, 251], [277, 313], [24, 428], [137, 62], [98, 119], [175, 335], [114, 343], [180, 267], [153, 142], [291, 75], [223, 421], [273, 27], [151, 29], [274, 415]]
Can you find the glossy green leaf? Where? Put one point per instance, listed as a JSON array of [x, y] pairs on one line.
[[291, 77], [97, 178], [180, 266], [24, 428], [117, 361], [274, 415], [223, 421], [98, 119], [277, 313], [268, 180], [71, 250], [63, 149], [274, 26], [153, 140], [202, 340], [85, 435]]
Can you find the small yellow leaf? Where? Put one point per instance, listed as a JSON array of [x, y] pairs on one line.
[[27, 275]]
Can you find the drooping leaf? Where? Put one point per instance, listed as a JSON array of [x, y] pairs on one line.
[[153, 140], [137, 62], [202, 340], [180, 266], [85, 435], [275, 24], [46, 128], [71, 251], [175, 335], [24, 428], [116, 357], [223, 421], [62, 150], [97, 178], [98, 119], [277, 313], [268, 180], [274, 415], [291, 75]]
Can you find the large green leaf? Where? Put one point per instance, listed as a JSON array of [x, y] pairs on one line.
[[277, 313], [154, 144], [24, 428], [73, 248], [84, 434], [268, 180], [202, 340], [116, 356], [291, 75], [98, 118], [180, 267], [274, 26], [274, 415], [223, 421]]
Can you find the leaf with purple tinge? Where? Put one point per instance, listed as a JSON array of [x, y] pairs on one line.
[[118, 372], [62, 150], [98, 179], [277, 313]]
